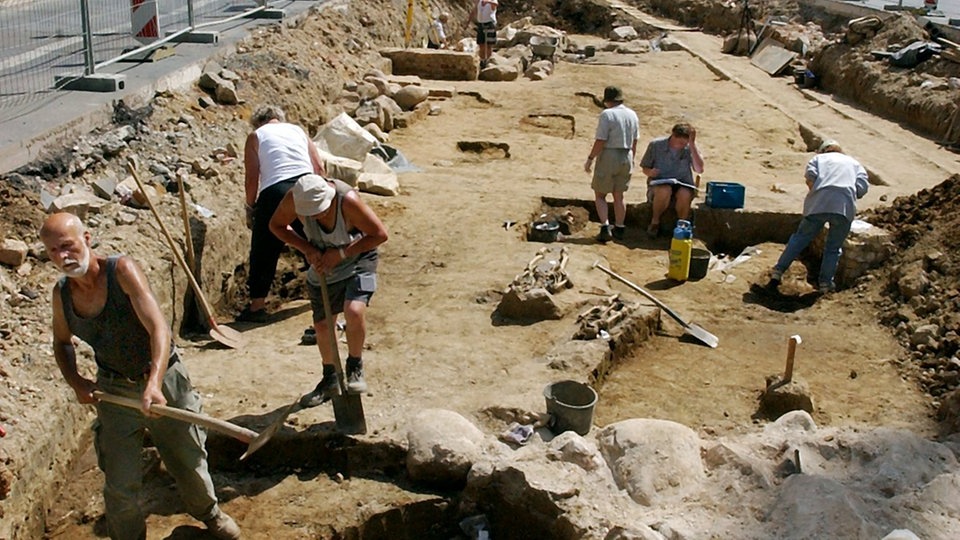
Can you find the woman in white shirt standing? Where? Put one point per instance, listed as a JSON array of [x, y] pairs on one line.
[[276, 154]]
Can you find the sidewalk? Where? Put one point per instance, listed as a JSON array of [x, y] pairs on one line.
[[27, 132]]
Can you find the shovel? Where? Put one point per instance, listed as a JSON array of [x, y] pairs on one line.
[[347, 408], [223, 334], [691, 329], [253, 440]]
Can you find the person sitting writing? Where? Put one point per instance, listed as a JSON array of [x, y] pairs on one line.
[[669, 163]]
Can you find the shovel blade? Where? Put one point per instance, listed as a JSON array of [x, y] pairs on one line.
[[228, 336], [348, 413], [702, 335], [271, 430]]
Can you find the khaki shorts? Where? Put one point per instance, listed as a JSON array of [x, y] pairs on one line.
[[612, 171]]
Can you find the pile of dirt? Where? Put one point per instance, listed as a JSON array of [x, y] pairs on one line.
[[920, 97], [922, 284]]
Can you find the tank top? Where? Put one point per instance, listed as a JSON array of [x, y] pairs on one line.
[[283, 153], [120, 342], [339, 237]]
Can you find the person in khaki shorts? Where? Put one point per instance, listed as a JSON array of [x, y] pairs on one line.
[[614, 147]]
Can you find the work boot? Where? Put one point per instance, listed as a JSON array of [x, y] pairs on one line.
[[249, 315], [327, 389], [604, 235], [223, 527], [775, 277], [355, 382], [619, 231]]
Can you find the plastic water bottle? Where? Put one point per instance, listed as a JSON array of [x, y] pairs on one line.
[[680, 248]]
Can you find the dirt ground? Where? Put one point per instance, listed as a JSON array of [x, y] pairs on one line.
[[435, 342]]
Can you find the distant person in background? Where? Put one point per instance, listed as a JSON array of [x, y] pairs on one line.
[[614, 148], [437, 37], [669, 164], [835, 181], [484, 17], [276, 154]]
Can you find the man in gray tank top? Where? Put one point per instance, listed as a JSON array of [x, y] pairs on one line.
[[341, 235], [106, 302]]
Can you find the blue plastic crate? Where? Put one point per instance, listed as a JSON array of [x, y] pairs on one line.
[[725, 195]]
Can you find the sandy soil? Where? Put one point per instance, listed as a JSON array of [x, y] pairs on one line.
[[434, 340]]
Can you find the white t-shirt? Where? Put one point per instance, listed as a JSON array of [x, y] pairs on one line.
[[283, 153], [487, 11], [437, 35]]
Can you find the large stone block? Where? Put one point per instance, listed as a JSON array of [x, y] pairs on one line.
[[442, 65]]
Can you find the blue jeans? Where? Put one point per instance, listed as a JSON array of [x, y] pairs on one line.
[[808, 230]]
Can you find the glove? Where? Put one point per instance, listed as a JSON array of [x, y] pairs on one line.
[[248, 218]]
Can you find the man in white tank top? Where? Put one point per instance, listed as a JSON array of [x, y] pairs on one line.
[[484, 17], [276, 154]]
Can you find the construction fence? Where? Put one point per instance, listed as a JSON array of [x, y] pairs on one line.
[[49, 45]]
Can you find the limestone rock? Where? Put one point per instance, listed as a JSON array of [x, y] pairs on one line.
[[912, 279], [670, 44], [375, 164], [573, 448], [792, 422], [226, 93], [379, 184], [210, 81], [656, 461], [349, 102], [901, 534], [13, 252], [926, 335], [733, 457], [410, 96], [104, 187], [533, 304], [499, 73], [79, 203], [341, 168], [442, 446], [367, 91], [377, 133], [623, 33], [811, 506], [636, 46], [635, 532]]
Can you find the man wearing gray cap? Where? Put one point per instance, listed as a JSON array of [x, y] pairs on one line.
[[835, 181], [614, 147], [341, 235]]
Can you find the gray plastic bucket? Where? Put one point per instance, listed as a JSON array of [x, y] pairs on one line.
[[571, 404]]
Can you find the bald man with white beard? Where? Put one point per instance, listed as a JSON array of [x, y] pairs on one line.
[[107, 303]]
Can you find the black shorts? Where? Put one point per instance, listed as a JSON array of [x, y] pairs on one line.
[[360, 286], [487, 33]]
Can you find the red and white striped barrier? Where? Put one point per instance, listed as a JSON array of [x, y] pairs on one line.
[[145, 20]]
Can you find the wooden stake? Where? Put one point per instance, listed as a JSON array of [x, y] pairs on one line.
[[791, 350]]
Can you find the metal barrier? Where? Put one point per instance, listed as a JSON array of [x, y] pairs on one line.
[[47, 45]]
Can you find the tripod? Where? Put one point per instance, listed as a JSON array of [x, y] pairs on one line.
[[747, 26]]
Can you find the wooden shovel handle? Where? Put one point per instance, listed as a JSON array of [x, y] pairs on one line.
[[791, 351], [221, 426], [176, 251]]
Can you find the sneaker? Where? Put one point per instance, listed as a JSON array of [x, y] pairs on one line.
[[248, 315], [223, 527], [653, 230], [327, 389], [827, 288], [355, 382], [619, 232], [604, 235]]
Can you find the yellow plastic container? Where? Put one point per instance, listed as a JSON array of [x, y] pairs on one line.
[[681, 247]]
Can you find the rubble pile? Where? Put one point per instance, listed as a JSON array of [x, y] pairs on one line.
[[922, 283]]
